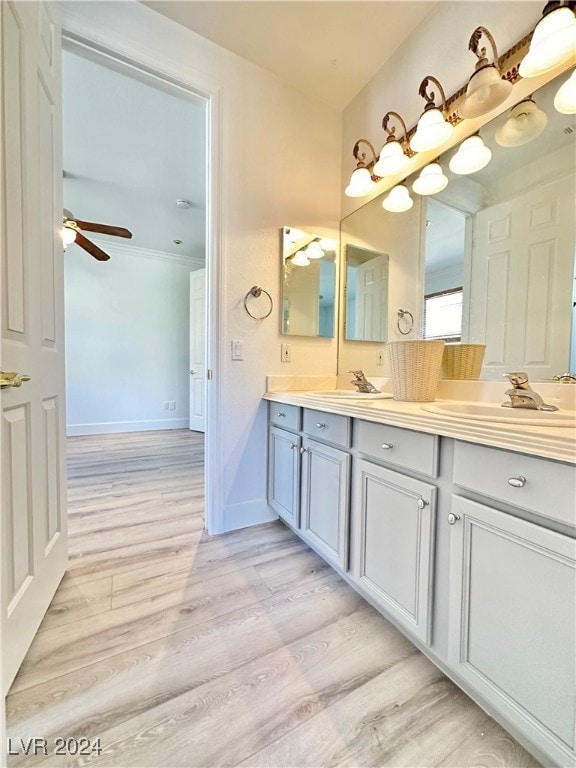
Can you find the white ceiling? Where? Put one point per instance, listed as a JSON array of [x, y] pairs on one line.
[[326, 49]]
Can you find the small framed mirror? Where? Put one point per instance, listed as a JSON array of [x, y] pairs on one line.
[[366, 294], [308, 283]]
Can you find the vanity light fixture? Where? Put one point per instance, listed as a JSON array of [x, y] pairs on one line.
[[486, 89], [361, 181], [68, 234], [472, 156], [431, 180], [328, 244], [392, 158], [565, 99], [553, 40], [525, 123], [398, 199], [314, 250], [432, 129], [300, 259]]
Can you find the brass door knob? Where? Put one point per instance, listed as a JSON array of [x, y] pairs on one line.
[[12, 379]]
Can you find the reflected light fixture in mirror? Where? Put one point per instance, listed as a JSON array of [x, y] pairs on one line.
[[398, 200], [314, 250], [392, 158], [472, 156], [525, 123], [565, 99], [432, 129], [431, 180], [553, 40], [486, 90], [361, 181], [300, 259]]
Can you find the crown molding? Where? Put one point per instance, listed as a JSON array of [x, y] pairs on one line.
[[194, 262]]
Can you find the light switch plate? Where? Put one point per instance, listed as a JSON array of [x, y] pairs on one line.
[[237, 350]]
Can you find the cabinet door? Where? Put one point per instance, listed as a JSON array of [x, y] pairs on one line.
[[284, 474], [325, 500], [393, 529], [512, 620]]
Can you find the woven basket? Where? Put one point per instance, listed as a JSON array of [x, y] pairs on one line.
[[415, 367], [462, 361]]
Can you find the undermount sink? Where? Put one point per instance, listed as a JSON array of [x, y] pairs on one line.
[[494, 412], [348, 394]]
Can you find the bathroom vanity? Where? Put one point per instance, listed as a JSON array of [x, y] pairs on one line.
[[461, 533]]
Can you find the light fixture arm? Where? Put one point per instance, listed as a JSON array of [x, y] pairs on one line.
[[480, 53], [392, 130], [430, 97], [360, 157]]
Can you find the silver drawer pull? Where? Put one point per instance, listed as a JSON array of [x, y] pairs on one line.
[[303, 450], [422, 503], [282, 415], [453, 518], [387, 446], [517, 482], [321, 426]]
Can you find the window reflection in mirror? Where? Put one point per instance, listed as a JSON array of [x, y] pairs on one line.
[[366, 294], [308, 284]]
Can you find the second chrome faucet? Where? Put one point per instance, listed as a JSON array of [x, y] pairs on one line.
[[522, 395]]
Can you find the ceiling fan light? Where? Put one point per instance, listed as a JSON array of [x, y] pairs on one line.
[[68, 235], [431, 132], [398, 200], [525, 123], [314, 250], [565, 99], [431, 180], [472, 156], [360, 183], [392, 159], [300, 259], [486, 90], [553, 42]]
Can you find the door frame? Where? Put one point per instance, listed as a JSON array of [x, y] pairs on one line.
[[148, 68]]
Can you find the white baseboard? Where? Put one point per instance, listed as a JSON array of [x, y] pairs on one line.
[[73, 430], [248, 513]]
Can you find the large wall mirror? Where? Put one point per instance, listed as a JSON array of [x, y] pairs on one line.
[[308, 283], [496, 247]]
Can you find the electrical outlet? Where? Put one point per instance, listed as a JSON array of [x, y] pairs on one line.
[[165, 405], [172, 405], [285, 353], [380, 358]]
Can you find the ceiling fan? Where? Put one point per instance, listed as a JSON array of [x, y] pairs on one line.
[[71, 234]]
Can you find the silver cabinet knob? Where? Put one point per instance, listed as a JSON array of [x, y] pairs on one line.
[[303, 450], [293, 445], [517, 482], [320, 426], [453, 518], [387, 446], [422, 503], [281, 414]]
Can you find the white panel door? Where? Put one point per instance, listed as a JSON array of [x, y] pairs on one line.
[[33, 483], [198, 350], [520, 300], [372, 299]]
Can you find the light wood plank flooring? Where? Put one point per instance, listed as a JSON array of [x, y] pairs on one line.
[[180, 649]]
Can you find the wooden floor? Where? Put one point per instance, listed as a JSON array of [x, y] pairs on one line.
[[180, 649]]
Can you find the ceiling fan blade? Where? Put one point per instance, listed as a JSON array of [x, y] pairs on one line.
[[104, 229], [92, 249]]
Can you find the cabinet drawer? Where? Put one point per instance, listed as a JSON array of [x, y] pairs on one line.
[[401, 447], [287, 416], [538, 485], [329, 427]]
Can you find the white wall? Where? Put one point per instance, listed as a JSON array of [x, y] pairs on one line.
[[127, 340], [280, 166]]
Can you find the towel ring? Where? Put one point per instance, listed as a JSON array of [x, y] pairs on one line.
[[402, 313], [257, 291]]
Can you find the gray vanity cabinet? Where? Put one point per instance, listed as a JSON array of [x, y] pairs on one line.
[[393, 531], [512, 620]]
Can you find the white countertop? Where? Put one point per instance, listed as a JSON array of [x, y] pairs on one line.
[[551, 442]]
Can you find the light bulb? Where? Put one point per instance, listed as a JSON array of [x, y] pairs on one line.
[[431, 132], [430, 181], [472, 155], [68, 235], [565, 99], [360, 183], [398, 200]]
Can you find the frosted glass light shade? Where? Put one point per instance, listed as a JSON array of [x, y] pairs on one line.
[[472, 156], [485, 91], [300, 259], [431, 180], [526, 122], [431, 132], [360, 183], [68, 235], [314, 251], [328, 244], [553, 41], [565, 99], [392, 160], [398, 200]]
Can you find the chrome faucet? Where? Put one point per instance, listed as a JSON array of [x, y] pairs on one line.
[[566, 378], [362, 383], [523, 396]]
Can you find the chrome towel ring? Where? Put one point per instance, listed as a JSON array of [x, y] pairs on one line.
[[256, 291], [409, 323]]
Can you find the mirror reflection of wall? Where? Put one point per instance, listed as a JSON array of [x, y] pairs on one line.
[[308, 284], [366, 294]]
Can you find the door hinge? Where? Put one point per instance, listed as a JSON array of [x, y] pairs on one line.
[[209, 374]]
